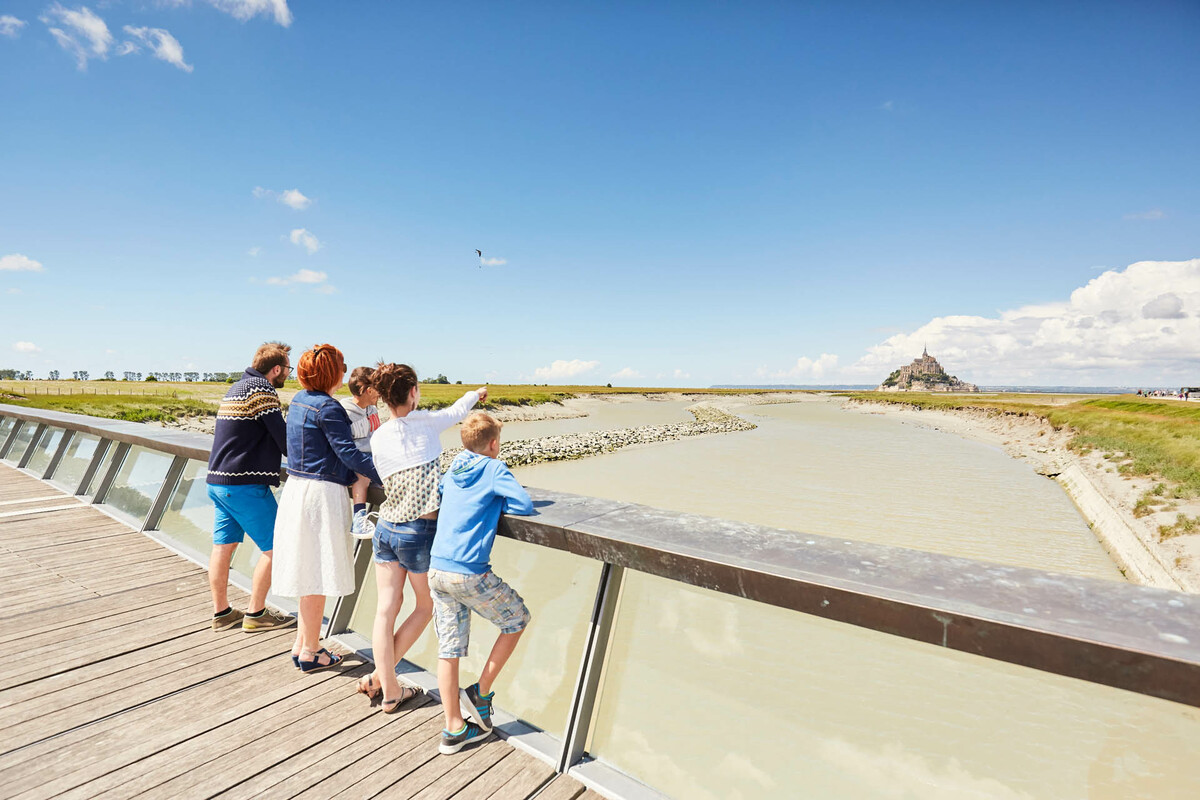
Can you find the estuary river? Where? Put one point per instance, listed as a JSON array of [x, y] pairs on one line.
[[706, 696]]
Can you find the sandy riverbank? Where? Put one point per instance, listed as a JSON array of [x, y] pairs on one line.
[[1104, 496]]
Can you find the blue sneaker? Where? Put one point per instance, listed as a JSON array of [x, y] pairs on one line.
[[363, 527], [453, 742], [476, 706]]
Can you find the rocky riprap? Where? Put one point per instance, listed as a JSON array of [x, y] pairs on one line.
[[580, 445]]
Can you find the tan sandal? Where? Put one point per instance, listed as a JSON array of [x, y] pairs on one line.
[[368, 686], [392, 706]]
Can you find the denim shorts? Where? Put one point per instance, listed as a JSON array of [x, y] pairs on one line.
[[406, 543], [240, 511], [456, 595]]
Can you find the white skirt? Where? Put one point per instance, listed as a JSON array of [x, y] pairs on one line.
[[314, 552]]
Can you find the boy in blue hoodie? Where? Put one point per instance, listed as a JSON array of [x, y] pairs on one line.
[[475, 491]]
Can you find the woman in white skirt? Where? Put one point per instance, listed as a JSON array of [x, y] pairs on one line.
[[314, 552]]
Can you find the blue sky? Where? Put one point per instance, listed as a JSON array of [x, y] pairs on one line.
[[680, 193]]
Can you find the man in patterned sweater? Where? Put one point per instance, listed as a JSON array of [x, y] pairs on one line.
[[249, 443]]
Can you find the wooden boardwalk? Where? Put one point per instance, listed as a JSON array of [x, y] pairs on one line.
[[112, 684]]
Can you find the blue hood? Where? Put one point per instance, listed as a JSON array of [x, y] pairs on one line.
[[475, 491]]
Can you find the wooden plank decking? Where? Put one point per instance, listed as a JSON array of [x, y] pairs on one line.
[[112, 684]]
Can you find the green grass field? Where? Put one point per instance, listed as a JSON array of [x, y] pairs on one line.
[[1152, 437]]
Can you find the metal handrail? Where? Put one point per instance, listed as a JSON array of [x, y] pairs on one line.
[[1135, 638]]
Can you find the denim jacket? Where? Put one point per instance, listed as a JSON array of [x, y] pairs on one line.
[[319, 443]]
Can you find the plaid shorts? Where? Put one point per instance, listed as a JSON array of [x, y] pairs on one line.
[[456, 595]]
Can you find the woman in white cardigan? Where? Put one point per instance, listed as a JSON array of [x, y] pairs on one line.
[[405, 450]]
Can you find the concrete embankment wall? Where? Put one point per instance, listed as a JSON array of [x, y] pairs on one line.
[[1140, 564]]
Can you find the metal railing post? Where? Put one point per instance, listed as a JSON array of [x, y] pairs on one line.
[[107, 481], [63, 443], [12, 437], [587, 685], [339, 620], [89, 474], [33, 443], [169, 485]]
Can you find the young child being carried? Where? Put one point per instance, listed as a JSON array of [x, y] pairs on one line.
[[475, 491], [364, 420]]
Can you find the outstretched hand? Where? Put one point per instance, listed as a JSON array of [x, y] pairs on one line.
[[482, 392]]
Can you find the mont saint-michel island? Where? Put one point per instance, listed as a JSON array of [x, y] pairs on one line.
[[924, 374]]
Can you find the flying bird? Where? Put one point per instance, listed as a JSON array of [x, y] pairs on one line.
[[479, 253]]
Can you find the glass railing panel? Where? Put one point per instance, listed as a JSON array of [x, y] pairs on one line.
[[188, 521], [44, 450], [537, 683], [75, 460], [6, 425], [138, 482], [102, 470], [24, 437], [709, 696], [188, 518]]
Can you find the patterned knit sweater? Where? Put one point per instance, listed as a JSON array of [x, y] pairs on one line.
[[251, 438]]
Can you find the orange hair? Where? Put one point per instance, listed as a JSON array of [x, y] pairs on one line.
[[321, 368]]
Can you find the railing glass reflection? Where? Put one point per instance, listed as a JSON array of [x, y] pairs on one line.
[[138, 481], [74, 463], [559, 589], [44, 450], [847, 712], [21, 444]]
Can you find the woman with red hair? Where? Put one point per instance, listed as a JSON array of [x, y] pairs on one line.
[[313, 549]]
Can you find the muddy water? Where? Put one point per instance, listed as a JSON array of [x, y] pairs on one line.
[[839, 711], [814, 468]]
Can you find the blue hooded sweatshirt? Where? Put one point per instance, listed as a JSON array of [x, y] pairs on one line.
[[475, 491]]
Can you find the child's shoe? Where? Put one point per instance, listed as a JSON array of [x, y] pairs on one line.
[[476, 706], [362, 527], [453, 742]]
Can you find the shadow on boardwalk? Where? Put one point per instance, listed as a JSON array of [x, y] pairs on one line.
[[114, 685]]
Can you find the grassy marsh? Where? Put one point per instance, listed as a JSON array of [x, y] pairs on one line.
[[1151, 437]]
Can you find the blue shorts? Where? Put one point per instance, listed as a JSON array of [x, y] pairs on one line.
[[244, 510], [405, 543]]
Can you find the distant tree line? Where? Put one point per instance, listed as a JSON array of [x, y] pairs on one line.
[[84, 375]]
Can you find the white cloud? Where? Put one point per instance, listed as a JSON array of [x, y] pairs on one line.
[[10, 26], [306, 276], [1108, 332], [253, 252], [326, 289], [492, 262], [164, 46], [26, 347], [13, 290], [888, 106], [680, 374], [292, 198], [561, 370], [15, 262], [816, 369], [85, 35], [1154, 213], [246, 9], [1165, 306], [627, 372], [305, 239]]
